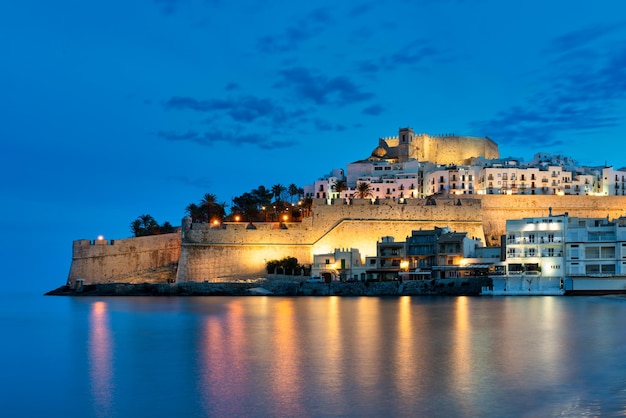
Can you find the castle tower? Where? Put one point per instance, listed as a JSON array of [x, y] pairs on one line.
[[405, 144]]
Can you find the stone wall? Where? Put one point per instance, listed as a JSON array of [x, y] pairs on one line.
[[236, 248], [454, 149], [104, 261], [230, 249]]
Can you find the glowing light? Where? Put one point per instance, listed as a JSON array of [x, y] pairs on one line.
[[404, 265], [285, 217], [100, 237], [216, 222], [237, 218]]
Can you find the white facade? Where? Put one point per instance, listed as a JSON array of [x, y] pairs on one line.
[[341, 264], [545, 174], [595, 248], [534, 262]]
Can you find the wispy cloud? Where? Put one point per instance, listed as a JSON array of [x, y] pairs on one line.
[[234, 137], [581, 93], [581, 37], [240, 109], [312, 86], [300, 31], [373, 110]]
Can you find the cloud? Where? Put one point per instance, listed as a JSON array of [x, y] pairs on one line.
[[302, 30], [231, 87], [373, 110], [169, 7], [317, 88], [200, 183], [235, 137], [581, 94], [240, 109], [581, 37], [413, 53], [326, 126]]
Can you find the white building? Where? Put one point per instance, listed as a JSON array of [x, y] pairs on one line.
[[534, 262], [595, 255], [341, 264]]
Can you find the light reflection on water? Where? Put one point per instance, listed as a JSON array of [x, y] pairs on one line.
[[100, 359], [310, 357]]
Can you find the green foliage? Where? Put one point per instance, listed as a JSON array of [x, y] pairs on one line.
[[286, 265], [207, 210], [147, 225], [363, 190]]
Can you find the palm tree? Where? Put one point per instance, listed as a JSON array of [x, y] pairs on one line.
[[277, 191], [212, 209], [340, 186], [195, 212], [293, 191], [263, 196], [363, 190], [135, 227]]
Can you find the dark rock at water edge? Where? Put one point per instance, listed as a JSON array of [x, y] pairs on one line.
[[447, 287]]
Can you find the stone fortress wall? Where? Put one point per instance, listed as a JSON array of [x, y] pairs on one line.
[[453, 149], [234, 249], [104, 261]]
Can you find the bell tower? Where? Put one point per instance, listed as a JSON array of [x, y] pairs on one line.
[[405, 144]]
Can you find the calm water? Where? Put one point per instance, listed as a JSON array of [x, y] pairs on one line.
[[313, 357]]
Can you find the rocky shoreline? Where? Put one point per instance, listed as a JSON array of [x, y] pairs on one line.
[[268, 287]]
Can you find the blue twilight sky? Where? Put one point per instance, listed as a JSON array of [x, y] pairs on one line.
[[112, 109]]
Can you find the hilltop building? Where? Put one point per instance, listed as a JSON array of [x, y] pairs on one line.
[[419, 165], [412, 187]]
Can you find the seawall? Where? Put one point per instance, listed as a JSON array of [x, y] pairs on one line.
[[109, 261], [204, 252], [231, 249]]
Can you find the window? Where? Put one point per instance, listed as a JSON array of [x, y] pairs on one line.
[[592, 252]]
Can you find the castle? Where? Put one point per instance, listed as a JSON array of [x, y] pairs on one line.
[[402, 199]]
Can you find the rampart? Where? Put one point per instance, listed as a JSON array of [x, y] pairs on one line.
[[232, 249], [453, 149], [107, 261]]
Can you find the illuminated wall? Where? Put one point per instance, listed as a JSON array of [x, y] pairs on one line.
[[233, 249], [103, 261]]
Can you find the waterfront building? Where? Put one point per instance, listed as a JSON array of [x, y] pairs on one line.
[[595, 254], [438, 253], [534, 262], [341, 264], [391, 258]]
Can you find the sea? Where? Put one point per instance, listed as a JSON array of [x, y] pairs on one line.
[[264, 356]]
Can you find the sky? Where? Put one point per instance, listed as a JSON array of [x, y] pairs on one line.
[[115, 109]]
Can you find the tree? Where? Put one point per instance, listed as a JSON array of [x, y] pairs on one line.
[[195, 212], [307, 204], [363, 190], [293, 190], [262, 196], [211, 209], [247, 204], [277, 191], [340, 186], [147, 225]]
